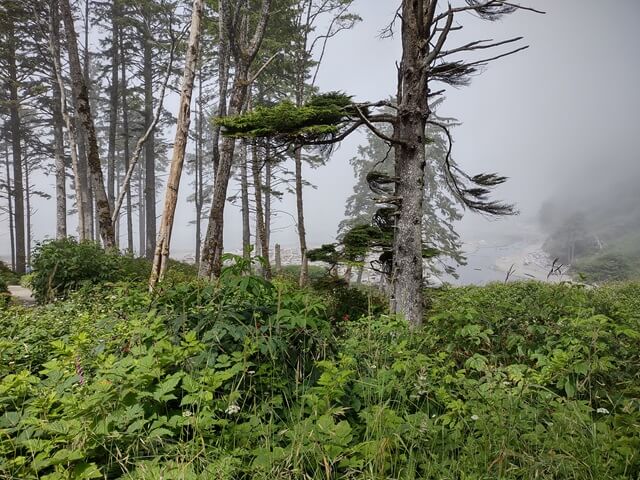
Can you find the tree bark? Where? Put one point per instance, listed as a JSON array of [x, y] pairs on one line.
[[78, 174], [180, 144], [125, 134], [407, 273], [58, 134], [199, 183], [244, 196], [84, 113], [10, 205], [113, 108], [16, 142], [149, 148], [302, 233]]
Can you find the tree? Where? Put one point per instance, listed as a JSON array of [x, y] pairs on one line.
[[83, 110], [426, 59], [374, 163], [161, 255], [244, 49]]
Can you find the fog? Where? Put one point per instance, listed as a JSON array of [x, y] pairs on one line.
[[557, 119]]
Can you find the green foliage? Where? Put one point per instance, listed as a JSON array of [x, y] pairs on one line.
[[7, 275], [319, 118], [4, 293], [63, 266], [246, 379]]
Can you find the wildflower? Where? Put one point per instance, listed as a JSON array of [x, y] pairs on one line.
[[475, 417], [187, 413], [602, 410], [232, 409]]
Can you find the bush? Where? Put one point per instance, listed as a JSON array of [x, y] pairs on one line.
[[63, 266], [5, 297], [8, 275]]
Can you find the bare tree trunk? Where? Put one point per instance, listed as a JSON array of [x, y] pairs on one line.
[[82, 186], [141, 214], [359, 277], [16, 142], [302, 234], [260, 229], [61, 174], [10, 204], [407, 274], [149, 148], [113, 108], [224, 59], [84, 113], [78, 174], [244, 195], [267, 196], [93, 220], [199, 184], [180, 144], [125, 133], [27, 199], [58, 134]]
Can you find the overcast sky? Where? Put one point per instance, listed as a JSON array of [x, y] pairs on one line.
[[566, 106]]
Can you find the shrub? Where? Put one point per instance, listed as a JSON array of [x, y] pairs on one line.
[[8, 275], [63, 266]]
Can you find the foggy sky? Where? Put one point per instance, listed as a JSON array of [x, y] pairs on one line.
[[559, 115]]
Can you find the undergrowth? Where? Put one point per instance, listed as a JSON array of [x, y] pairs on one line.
[[247, 379]]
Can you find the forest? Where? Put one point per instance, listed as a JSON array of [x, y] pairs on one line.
[[159, 155]]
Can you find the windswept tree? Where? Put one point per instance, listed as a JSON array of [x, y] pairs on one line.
[[428, 58]]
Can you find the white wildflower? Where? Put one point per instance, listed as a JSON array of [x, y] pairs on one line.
[[232, 409], [187, 413], [475, 417], [602, 410]]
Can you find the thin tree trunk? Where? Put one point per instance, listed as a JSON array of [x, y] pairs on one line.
[[141, 214], [27, 199], [302, 234], [149, 148], [58, 135], [199, 184], [261, 231], [113, 108], [81, 181], [224, 59], [93, 220], [84, 113], [180, 144], [125, 133], [10, 205], [16, 139], [244, 187], [267, 196]]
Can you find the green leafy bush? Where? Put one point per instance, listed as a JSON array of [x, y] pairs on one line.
[[245, 379], [8, 275], [63, 266]]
